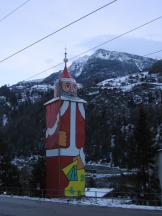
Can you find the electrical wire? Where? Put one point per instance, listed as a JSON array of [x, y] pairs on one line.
[[95, 47], [151, 53], [14, 10], [58, 30]]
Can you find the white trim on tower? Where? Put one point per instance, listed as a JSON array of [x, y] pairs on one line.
[[81, 109]]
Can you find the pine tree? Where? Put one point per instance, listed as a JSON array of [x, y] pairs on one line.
[[147, 183], [38, 178], [9, 175]]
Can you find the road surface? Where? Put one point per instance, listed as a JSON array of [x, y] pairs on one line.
[[20, 207]]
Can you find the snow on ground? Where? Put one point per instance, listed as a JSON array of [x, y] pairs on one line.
[[21, 162], [98, 164], [157, 85], [3, 98], [4, 120], [104, 164], [42, 87], [97, 192], [102, 202], [105, 170], [128, 82], [102, 175], [114, 81], [93, 93], [122, 83]]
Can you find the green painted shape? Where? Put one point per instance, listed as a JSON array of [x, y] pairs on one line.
[[72, 174]]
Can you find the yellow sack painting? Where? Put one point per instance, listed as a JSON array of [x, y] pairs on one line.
[[75, 173]]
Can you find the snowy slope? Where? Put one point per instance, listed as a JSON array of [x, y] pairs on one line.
[[77, 66], [140, 61], [128, 82]]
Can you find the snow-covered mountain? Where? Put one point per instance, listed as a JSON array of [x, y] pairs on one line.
[[104, 64], [140, 61], [102, 70], [77, 66]]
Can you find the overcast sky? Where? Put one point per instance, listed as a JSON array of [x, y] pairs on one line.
[[41, 17]]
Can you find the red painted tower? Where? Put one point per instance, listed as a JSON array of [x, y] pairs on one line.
[[65, 137]]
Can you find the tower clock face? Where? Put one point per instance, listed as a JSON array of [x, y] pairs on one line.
[[69, 88]]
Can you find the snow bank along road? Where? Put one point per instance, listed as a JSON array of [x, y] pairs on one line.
[[20, 207]]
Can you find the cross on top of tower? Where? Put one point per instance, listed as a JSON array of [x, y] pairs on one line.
[[66, 74], [65, 59]]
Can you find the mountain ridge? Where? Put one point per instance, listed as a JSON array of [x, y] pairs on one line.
[[104, 64]]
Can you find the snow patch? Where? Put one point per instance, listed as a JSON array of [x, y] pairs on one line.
[[103, 202], [77, 66], [97, 192], [128, 82], [42, 88], [140, 61], [93, 93], [4, 120]]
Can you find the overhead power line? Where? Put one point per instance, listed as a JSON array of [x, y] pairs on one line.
[[45, 70], [58, 30], [121, 35], [151, 53], [14, 10], [99, 45]]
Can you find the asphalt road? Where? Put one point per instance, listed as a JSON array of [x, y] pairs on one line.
[[19, 207]]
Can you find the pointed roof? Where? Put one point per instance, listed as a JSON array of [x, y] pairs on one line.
[[66, 74]]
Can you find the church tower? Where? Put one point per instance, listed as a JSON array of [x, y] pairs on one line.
[[65, 138]]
